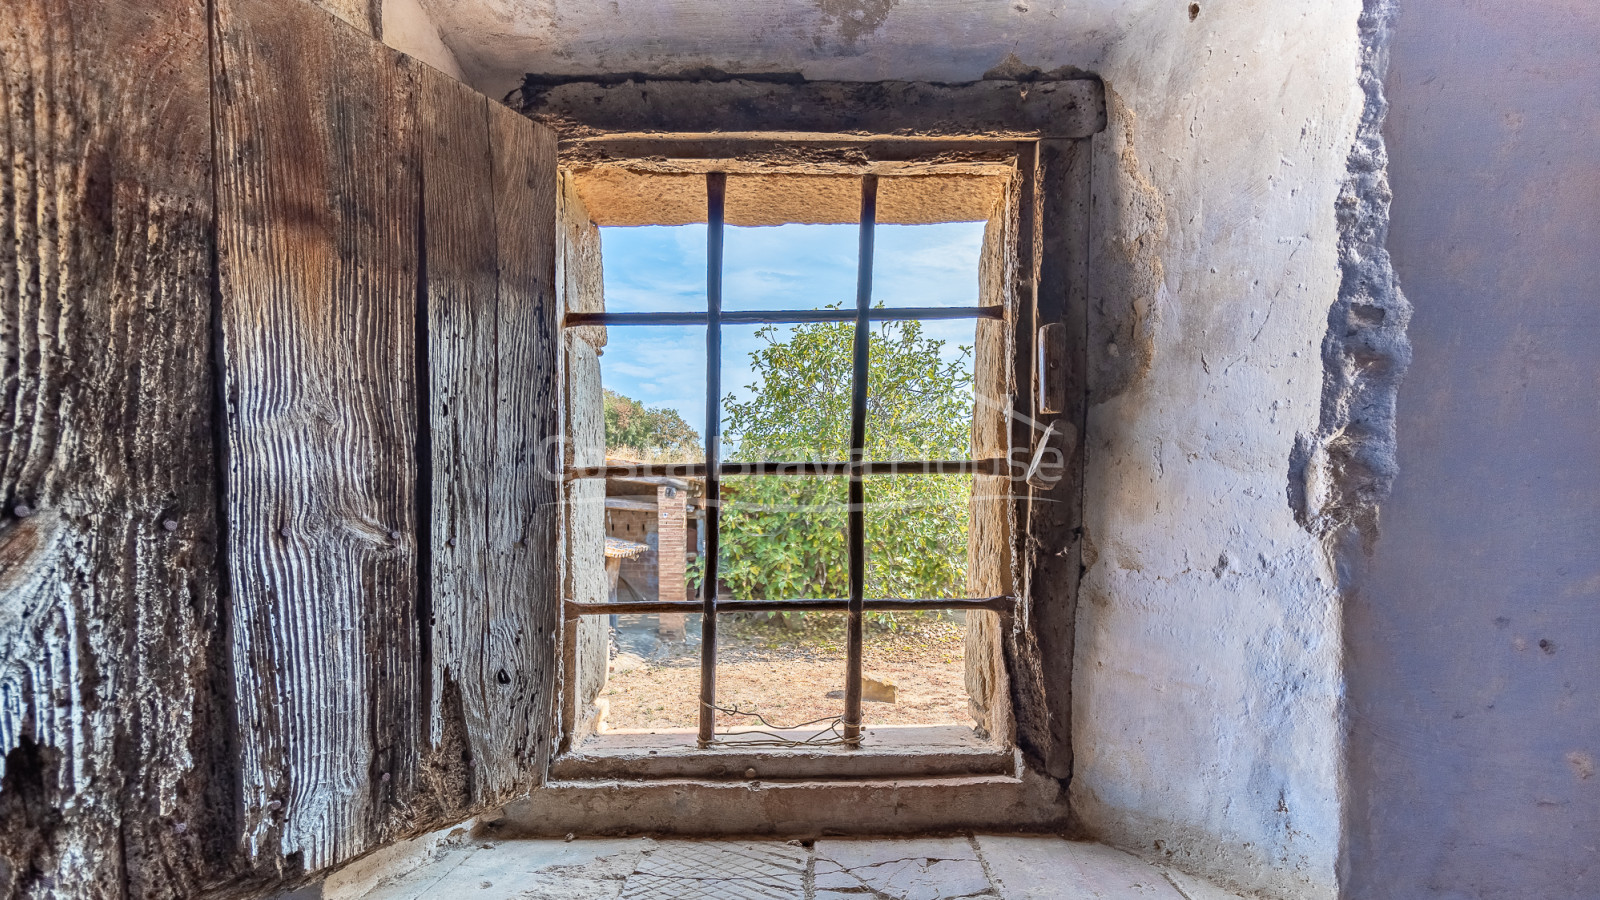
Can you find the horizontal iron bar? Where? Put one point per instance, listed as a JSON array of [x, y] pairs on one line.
[[997, 466], [784, 316], [644, 607]]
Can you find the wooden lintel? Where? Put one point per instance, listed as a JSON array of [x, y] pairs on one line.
[[645, 106], [801, 154]]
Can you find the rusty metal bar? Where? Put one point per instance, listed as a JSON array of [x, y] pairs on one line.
[[716, 193], [851, 729], [646, 607], [991, 466], [784, 316]]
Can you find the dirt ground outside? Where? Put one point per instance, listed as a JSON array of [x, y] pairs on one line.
[[786, 674]]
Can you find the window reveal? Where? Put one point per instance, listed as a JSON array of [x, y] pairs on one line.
[[857, 467]]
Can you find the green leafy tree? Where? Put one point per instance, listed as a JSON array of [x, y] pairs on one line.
[[632, 426], [785, 537]]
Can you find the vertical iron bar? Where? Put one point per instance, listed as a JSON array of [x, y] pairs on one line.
[[858, 441], [716, 193]]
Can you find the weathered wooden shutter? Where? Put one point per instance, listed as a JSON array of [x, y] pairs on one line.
[[115, 783], [386, 247]]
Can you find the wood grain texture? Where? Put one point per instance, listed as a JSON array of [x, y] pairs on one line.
[[318, 208], [114, 781], [461, 283], [489, 224], [1026, 669], [1054, 552], [526, 570]]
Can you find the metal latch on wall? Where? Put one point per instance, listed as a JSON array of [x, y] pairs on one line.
[[1052, 389], [1049, 455]]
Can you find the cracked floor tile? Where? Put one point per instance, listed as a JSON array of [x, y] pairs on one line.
[[1194, 888], [726, 870], [524, 870], [913, 869], [1045, 868]]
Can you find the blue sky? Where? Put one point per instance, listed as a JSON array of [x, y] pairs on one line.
[[660, 267]]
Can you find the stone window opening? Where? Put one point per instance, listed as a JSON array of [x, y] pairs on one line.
[[668, 180], [811, 199]]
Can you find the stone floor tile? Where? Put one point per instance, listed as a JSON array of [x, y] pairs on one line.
[[526, 870], [1036, 868], [735, 870], [913, 869], [421, 881], [1022, 868]]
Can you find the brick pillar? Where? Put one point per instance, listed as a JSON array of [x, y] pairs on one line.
[[670, 555]]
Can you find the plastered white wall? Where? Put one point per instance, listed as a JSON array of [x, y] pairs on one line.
[[409, 28], [498, 41], [1207, 685]]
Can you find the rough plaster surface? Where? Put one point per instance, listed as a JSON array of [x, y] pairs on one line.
[[407, 27], [1207, 684], [356, 13], [498, 41], [1473, 629], [402, 24], [1339, 476]]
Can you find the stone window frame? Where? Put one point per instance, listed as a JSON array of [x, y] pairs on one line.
[[655, 127]]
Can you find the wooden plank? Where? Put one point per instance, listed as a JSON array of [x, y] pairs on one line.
[[1029, 707], [317, 243], [114, 781], [461, 288], [826, 156], [522, 656], [1055, 513], [584, 107]]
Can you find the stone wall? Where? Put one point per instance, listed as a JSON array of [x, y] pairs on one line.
[[583, 532]]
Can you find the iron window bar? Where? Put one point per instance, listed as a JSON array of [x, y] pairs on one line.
[[992, 466], [857, 537], [785, 316], [856, 468], [716, 194], [887, 604]]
